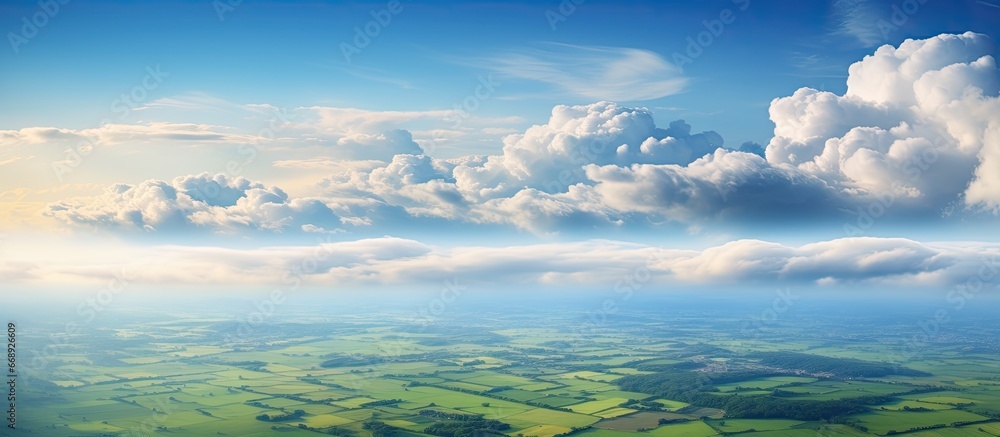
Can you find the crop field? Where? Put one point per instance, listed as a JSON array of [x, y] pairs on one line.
[[882, 422], [378, 378], [693, 429], [744, 425]]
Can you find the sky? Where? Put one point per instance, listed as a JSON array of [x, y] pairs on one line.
[[832, 145]]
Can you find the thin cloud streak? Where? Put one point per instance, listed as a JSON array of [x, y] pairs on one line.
[[595, 72]]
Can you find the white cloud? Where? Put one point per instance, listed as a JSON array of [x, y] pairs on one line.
[[392, 261], [594, 72], [417, 184], [859, 19], [917, 122], [348, 133], [540, 181], [985, 188], [578, 208], [844, 260], [111, 134], [380, 146], [733, 185], [551, 157], [12, 160], [347, 121], [217, 203], [199, 102]]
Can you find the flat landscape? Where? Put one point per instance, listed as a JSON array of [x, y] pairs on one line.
[[468, 218], [655, 373]]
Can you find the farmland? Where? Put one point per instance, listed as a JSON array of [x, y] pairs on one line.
[[646, 375]]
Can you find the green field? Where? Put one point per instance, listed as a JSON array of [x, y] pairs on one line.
[[693, 429], [744, 425], [764, 383], [525, 381], [881, 422]]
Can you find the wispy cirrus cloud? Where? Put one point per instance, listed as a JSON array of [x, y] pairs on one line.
[[595, 72], [375, 75], [195, 101], [858, 19]]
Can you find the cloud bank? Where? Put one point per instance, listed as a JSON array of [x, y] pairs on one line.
[[917, 131], [871, 262]]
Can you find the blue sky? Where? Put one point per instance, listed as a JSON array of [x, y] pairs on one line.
[[431, 54], [523, 130]]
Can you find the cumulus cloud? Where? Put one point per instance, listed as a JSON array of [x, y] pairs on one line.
[[985, 187], [917, 129], [416, 184], [752, 147], [918, 122], [917, 126], [539, 181], [732, 184], [218, 203], [580, 208], [380, 146], [551, 157]]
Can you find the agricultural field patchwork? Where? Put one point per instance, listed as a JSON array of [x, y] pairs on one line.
[[385, 377]]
